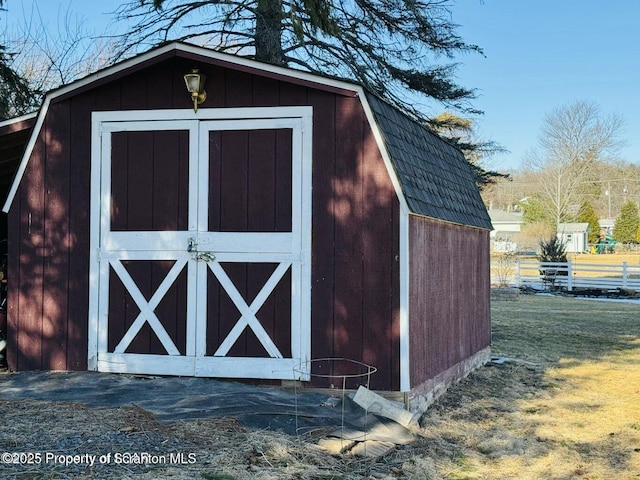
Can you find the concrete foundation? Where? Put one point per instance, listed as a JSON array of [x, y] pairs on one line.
[[422, 396]]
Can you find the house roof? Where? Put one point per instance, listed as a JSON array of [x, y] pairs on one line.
[[500, 216], [573, 227], [431, 177]]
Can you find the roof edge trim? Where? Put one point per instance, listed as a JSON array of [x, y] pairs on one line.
[[377, 134], [148, 56], [224, 58], [450, 222], [27, 154], [21, 118]]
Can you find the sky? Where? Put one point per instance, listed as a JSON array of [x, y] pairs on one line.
[[538, 56], [545, 54]]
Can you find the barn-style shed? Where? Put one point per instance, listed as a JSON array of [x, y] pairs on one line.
[[291, 217]]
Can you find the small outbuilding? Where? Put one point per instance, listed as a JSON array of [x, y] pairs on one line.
[[287, 218], [574, 236]]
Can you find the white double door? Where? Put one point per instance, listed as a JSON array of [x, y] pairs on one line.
[[201, 228]]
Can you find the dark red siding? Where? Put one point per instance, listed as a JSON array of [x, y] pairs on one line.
[[449, 295], [355, 272]]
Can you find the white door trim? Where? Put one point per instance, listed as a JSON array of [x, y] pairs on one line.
[[109, 248]]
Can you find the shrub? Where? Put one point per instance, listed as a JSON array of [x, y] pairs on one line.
[[553, 250]]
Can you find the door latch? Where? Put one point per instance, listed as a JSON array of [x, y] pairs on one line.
[[191, 246], [198, 256]]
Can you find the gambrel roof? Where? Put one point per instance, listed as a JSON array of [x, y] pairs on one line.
[[431, 177], [436, 179]]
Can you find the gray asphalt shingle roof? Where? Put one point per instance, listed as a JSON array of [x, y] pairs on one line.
[[435, 177]]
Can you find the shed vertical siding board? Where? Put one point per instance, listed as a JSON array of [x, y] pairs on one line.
[[15, 236], [348, 329], [460, 327], [293, 95], [30, 257], [239, 89], [216, 96], [266, 93], [323, 232], [56, 239], [394, 260], [134, 92], [160, 86], [420, 327], [377, 249], [80, 172], [108, 97]]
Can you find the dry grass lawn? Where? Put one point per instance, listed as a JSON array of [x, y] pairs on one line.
[[565, 406]]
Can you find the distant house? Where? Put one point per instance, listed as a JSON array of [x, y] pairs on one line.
[[506, 227], [574, 236]]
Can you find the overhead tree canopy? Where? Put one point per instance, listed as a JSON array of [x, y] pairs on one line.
[[391, 47]]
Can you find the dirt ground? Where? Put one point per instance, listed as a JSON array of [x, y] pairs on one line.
[[562, 403]]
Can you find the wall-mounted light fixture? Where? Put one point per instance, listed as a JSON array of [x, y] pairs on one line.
[[195, 86]]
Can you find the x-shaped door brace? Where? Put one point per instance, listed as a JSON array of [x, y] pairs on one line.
[[147, 308], [248, 312]]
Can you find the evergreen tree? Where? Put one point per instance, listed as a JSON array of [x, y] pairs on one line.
[[552, 250], [388, 46], [626, 228], [461, 133], [587, 214]]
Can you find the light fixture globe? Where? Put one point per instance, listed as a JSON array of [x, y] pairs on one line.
[[195, 86]]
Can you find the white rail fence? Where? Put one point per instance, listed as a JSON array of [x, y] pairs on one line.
[[569, 276]]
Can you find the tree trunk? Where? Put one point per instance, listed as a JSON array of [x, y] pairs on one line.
[[268, 36]]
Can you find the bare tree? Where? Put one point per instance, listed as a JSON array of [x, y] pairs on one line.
[[49, 57], [575, 141], [16, 96]]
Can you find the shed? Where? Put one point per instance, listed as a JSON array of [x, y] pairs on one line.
[[292, 217], [574, 236]]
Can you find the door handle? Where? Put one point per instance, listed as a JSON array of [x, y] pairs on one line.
[[191, 246], [205, 257]]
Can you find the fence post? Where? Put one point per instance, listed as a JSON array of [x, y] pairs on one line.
[[624, 274], [518, 272], [569, 276]]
